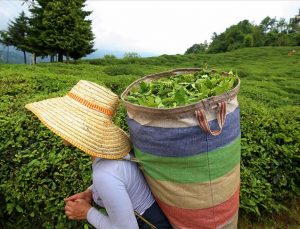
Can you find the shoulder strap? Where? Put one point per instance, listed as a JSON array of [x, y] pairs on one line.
[[131, 158], [146, 221]]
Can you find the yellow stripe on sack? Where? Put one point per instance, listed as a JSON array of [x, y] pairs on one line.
[[196, 195]]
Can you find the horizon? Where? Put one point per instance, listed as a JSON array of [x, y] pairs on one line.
[[177, 33], [165, 33]]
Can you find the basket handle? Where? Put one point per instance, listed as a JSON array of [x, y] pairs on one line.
[[221, 116]]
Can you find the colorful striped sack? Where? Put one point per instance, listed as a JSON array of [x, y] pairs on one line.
[[193, 171]]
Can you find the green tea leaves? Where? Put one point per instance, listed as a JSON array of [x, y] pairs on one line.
[[181, 90], [180, 96], [144, 87]]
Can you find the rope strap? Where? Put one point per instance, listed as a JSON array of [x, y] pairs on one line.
[[221, 116], [146, 221]]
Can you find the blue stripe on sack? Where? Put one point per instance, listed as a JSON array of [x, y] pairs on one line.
[[181, 142]]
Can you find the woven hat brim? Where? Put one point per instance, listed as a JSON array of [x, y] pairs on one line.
[[91, 131]]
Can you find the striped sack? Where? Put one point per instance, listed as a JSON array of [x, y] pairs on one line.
[[190, 156]]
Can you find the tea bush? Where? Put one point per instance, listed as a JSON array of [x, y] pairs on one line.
[[37, 171], [122, 70], [270, 157]]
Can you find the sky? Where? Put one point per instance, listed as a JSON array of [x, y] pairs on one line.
[[164, 27]]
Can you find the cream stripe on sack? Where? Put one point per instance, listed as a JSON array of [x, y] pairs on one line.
[[186, 121], [196, 195]]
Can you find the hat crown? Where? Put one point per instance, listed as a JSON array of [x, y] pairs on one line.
[[94, 96]]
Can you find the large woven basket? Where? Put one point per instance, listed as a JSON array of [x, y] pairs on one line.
[[190, 156]]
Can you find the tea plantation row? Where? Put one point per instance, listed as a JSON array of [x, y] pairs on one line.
[[37, 171]]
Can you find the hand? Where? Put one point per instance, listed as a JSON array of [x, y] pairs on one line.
[[78, 209], [86, 195]]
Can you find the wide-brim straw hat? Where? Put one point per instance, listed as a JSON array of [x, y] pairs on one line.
[[83, 117]]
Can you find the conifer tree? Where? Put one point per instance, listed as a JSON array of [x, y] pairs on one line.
[[60, 27], [6, 41], [17, 33], [67, 32], [35, 42]]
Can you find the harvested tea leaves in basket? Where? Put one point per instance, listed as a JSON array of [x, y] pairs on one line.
[[182, 89]]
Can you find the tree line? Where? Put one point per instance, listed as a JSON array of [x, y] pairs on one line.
[[270, 32], [55, 28]]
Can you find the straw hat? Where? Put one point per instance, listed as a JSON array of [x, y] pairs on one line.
[[84, 118]]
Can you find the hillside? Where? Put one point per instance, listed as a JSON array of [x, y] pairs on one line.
[[16, 57], [38, 171]]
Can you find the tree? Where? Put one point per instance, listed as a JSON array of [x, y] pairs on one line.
[[268, 24], [59, 27], [66, 31], [248, 40], [131, 55], [5, 40], [270, 32], [35, 42], [17, 33], [218, 43], [294, 25], [258, 36], [282, 26], [109, 57], [234, 37], [197, 48]]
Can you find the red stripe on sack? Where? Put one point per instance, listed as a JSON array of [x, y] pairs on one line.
[[89, 104], [202, 218]]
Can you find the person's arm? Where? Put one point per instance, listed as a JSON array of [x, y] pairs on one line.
[[117, 204]]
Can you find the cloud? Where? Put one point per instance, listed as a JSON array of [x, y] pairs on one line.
[[165, 26], [173, 26], [10, 10]]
